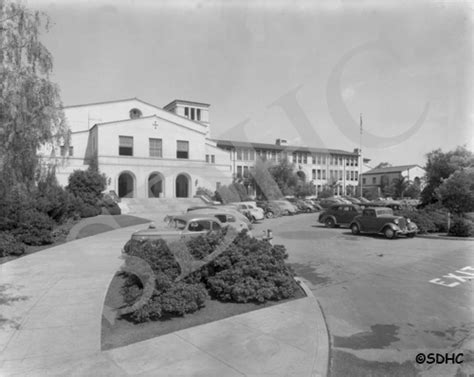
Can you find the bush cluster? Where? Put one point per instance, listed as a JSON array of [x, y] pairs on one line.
[[247, 270], [461, 227], [9, 245], [428, 219]]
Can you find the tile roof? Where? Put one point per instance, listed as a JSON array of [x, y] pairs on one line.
[[390, 169], [276, 147]]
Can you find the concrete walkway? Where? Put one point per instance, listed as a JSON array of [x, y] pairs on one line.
[[51, 306]]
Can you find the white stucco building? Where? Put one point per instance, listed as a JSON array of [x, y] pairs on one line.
[[375, 177], [146, 151]]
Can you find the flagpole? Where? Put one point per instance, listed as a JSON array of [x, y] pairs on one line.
[[361, 158]]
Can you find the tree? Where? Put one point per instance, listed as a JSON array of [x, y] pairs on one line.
[[30, 114], [440, 166], [413, 191], [399, 187], [457, 192], [263, 181], [383, 165]]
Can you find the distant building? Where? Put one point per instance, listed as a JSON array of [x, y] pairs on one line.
[[319, 166], [385, 176]]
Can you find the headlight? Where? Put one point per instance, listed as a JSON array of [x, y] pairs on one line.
[[395, 221]]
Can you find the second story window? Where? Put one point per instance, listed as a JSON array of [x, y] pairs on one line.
[[207, 158], [239, 154], [62, 150], [156, 148], [246, 171], [239, 171], [251, 155], [71, 151], [182, 149], [213, 158], [125, 145]]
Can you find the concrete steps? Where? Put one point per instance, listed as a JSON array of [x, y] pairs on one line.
[[157, 206]]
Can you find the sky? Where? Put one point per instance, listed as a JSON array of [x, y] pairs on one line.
[[301, 71]]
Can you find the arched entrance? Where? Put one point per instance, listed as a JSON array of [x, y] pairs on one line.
[[126, 183], [182, 186], [155, 185]]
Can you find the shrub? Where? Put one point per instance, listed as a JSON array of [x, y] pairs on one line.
[[33, 228], [86, 210], [250, 270], [109, 207], [429, 219], [9, 245], [461, 227], [170, 298], [87, 185], [54, 201]]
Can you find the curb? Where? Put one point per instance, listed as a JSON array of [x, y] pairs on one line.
[[444, 237], [321, 361]]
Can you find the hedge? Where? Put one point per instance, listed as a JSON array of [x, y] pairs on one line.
[[9, 245]]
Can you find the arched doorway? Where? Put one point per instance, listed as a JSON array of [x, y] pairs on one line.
[[126, 183], [182, 186], [155, 185]]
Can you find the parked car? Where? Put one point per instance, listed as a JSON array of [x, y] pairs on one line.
[[270, 209], [382, 220], [194, 208], [328, 202], [300, 204], [339, 214], [180, 226], [250, 210], [396, 206], [237, 221], [286, 207], [229, 210], [314, 204]]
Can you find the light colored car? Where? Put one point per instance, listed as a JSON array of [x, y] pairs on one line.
[[237, 221], [382, 220], [180, 226], [227, 209], [286, 207], [254, 213]]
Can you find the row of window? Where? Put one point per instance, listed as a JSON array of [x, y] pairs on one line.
[[192, 113], [155, 147], [243, 154], [67, 151], [243, 172], [335, 174]]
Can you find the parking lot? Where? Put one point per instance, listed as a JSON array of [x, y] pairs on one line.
[[385, 301]]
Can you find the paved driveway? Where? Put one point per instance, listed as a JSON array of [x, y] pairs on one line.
[[385, 301]]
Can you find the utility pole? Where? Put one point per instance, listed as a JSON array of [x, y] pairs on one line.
[[361, 158]]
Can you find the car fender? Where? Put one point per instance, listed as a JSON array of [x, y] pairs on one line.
[[356, 223], [331, 217], [394, 227]]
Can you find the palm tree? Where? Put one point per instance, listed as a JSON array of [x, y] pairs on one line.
[[399, 186]]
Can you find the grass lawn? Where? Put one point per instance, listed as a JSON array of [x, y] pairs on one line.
[[123, 332], [92, 229]]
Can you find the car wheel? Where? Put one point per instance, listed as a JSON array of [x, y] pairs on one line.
[[411, 235], [355, 229], [389, 233], [330, 223], [269, 214]]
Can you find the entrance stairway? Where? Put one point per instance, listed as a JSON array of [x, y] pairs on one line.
[[157, 207]]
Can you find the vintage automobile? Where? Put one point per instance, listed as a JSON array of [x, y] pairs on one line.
[[250, 210], [285, 206], [270, 209], [180, 226], [226, 209], [382, 220], [234, 220], [339, 214]]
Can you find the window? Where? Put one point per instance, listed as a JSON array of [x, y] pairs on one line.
[[300, 158], [252, 155], [323, 160], [239, 171], [294, 157], [182, 150], [273, 155], [314, 159], [319, 159], [198, 114], [352, 175], [125, 145], [356, 176], [324, 174], [319, 173], [363, 181], [62, 149], [246, 171], [213, 158], [156, 147], [348, 175], [239, 154], [340, 175], [313, 172], [246, 154], [71, 151], [135, 113], [186, 112], [305, 158], [192, 113], [207, 158]]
